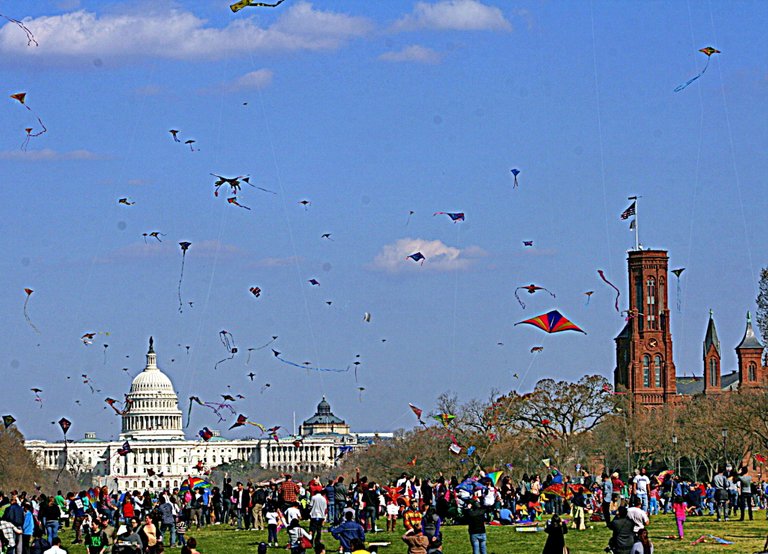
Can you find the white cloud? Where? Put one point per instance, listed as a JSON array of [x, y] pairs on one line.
[[439, 256], [47, 154], [255, 80], [175, 34], [413, 53], [457, 15]]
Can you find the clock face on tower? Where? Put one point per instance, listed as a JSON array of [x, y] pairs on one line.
[[653, 343]]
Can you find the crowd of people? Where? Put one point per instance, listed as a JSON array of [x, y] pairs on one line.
[[149, 522]]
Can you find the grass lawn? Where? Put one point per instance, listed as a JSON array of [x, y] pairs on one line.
[[747, 536]]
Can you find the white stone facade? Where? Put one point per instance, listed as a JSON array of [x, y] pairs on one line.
[[152, 425]]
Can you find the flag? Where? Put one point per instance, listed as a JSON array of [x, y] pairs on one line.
[[630, 211], [632, 225]]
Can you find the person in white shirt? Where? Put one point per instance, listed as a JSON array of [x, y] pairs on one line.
[[637, 515], [641, 484], [292, 513], [318, 507], [56, 548]]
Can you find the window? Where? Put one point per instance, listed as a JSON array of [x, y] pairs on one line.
[[657, 371], [752, 371], [639, 301], [646, 371], [650, 301], [712, 371]]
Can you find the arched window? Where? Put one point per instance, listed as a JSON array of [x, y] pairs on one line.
[[646, 371], [650, 301], [752, 371], [657, 371], [712, 371]]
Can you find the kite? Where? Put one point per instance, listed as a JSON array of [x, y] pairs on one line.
[[251, 375], [494, 476], [708, 51], [515, 172], [367, 317], [417, 412], [329, 302], [552, 322], [194, 483], [216, 407], [38, 398], [410, 213], [237, 6], [125, 201], [305, 203], [154, 235], [471, 450], [588, 294], [228, 397], [88, 381], [112, 402], [234, 202], [531, 289], [174, 133], [205, 434], [26, 311], [677, 273], [8, 420], [232, 182], [417, 257], [184, 247], [631, 314], [455, 216], [242, 420], [360, 393], [326, 236], [190, 142], [454, 449], [256, 292], [21, 98], [263, 346], [30, 36], [307, 365], [228, 341], [536, 349], [314, 282], [356, 363], [124, 449], [65, 424], [264, 387], [341, 450], [527, 243], [618, 292], [445, 419]]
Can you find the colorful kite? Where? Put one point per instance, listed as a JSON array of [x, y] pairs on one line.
[[228, 341], [237, 6], [307, 365], [444, 418], [494, 476], [417, 412], [8, 420], [26, 311], [38, 398], [112, 404], [531, 289], [708, 51], [552, 322], [124, 449], [234, 202], [455, 216], [242, 420], [232, 182], [193, 483], [30, 37], [184, 247], [515, 172], [417, 257], [205, 434], [21, 98], [618, 292], [677, 273], [216, 407], [256, 292]]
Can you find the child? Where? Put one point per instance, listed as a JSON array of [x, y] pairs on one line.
[[393, 509], [273, 517], [181, 529], [680, 508]]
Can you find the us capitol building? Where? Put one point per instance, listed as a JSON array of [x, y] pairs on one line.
[[161, 456]]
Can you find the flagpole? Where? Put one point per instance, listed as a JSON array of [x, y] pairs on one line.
[[637, 232]]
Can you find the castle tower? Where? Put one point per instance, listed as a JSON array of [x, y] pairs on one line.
[[749, 352], [712, 383], [644, 364]]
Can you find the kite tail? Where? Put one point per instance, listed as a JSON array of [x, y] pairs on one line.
[[189, 413], [678, 292], [181, 276], [550, 292], [30, 36], [692, 79], [618, 292], [518, 298], [28, 319], [66, 458], [294, 364], [264, 346], [514, 186], [224, 360]]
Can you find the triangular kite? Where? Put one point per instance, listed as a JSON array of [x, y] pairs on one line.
[[552, 322]]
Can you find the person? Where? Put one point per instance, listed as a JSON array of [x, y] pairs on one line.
[[643, 544], [412, 516], [56, 547], [52, 514], [607, 488], [346, 531], [393, 510], [720, 483], [640, 486], [295, 535], [149, 532], [555, 530], [679, 508], [371, 510], [241, 502], [273, 519], [340, 496], [578, 507], [416, 541], [28, 528], [259, 499], [181, 530], [358, 547], [745, 492], [226, 493], [637, 515], [318, 507], [293, 512], [11, 534], [623, 536], [288, 493], [167, 521], [96, 541], [190, 547], [262, 548], [475, 517]]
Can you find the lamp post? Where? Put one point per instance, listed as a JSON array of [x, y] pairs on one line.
[[725, 445], [629, 462], [674, 461]]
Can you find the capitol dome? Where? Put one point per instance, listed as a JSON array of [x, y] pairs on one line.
[[152, 407]]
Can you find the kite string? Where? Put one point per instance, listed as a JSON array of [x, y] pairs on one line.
[[455, 298]]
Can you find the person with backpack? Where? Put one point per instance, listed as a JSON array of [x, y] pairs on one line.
[[258, 500]]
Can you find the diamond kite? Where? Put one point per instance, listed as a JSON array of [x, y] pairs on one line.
[[552, 322], [455, 216]]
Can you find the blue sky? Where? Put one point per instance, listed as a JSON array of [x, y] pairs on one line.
[[369, 110]]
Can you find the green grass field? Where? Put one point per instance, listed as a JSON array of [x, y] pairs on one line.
[[747, 536]]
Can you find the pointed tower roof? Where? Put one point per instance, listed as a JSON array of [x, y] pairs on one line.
[[750, 339], [710, 339]]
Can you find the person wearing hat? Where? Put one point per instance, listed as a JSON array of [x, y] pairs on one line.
[[412, 516]]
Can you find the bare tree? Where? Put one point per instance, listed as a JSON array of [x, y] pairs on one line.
[[762, 305]]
